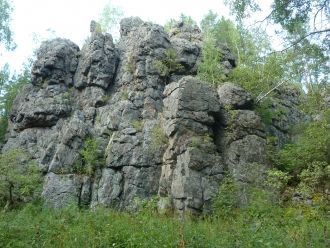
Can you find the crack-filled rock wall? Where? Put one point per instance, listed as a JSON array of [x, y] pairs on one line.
[[157, 132]]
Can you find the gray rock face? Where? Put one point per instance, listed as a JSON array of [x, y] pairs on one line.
[[56, 62], [286, 114], [192, 168], [175, 140], [241, 138], [187, 42], [235, 97], [98, 61]]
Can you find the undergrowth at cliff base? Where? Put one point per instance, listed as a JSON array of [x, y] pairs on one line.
[[254, 226]]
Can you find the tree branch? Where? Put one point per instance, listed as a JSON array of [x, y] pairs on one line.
[[320, 9], [262, 96], [300, 39], [261, 21]]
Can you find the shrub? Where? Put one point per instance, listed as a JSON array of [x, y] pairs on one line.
[[169, 63], [19, 178], [311, 146], [227, 199], [91, 157], [314, 179]]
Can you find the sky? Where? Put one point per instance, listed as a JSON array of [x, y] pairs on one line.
[[37, 20]]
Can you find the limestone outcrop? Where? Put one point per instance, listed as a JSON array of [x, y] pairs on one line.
[[157, 132]]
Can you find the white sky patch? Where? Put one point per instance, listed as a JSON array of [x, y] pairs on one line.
[[70, 19]]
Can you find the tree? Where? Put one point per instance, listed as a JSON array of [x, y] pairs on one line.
[[260, 67], [210, 69], [19, 178], [5, 31], [302, 19], [255, 71], [109, 18], [187, 20], [10, 86]]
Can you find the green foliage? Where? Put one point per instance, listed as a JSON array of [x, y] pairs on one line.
[[147, 207], [19, 178], [242, 8], [277, 179], [10, 86], [130, 65], [169, 63], [294, 15], [227, 200], [158, 136], [259, 67], [109, 18], [91, 158], [138, 124], [5, 31], [210, 69], [311, 146], [187, 20], [254, 227], [258, 76], [265, 112], [315, 178], [198, 141], [315, 102]]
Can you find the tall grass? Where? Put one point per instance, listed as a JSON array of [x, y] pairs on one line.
[[254, 226]]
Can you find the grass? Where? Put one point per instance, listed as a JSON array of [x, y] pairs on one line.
[[273, 226]]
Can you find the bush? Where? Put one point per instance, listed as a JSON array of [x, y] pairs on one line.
[[168, 64], [314, 179], [227, 200], [311, 146], [91, 158], [20, 178]]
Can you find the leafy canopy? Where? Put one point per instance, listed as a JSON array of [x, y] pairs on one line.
[[109, 18], [5, 32]]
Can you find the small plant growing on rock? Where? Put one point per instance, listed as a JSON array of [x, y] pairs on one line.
[[138, 124], [124, 95], [198, 141], [90, 157], [158, 136], [169, 64]]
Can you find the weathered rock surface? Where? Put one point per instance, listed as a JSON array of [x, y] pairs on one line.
[[286, 114], [233, 96], [172, 136], [241, 137], [97, 63], [56, 62], [192, 168]]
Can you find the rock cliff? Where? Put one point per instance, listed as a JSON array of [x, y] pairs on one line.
[[159, 130]]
